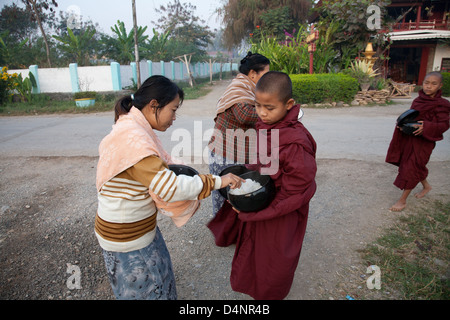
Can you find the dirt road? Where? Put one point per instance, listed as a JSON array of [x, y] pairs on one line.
[[48, 203]]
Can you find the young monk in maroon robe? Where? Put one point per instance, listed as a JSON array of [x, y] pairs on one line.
[[268, 242], [411, 153]]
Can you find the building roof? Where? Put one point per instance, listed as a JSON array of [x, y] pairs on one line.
[[419, 34]]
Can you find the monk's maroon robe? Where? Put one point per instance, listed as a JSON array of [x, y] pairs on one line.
[[412, 153], [268, 242]]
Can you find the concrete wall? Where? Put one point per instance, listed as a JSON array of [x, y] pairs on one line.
[[442, 51], [113, 77], [54, 80], [95, 78]]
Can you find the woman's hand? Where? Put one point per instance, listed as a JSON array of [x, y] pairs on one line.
[[419, 129], [231, 180]]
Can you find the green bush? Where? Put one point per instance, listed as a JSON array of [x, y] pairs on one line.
[[328, 87], [446, 87], [85, 95]]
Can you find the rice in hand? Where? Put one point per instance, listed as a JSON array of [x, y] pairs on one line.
[[246, 187]]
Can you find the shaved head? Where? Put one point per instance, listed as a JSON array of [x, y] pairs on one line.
[[436, 74], [277, 83]]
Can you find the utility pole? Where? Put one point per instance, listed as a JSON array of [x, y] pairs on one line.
[[136, 46]]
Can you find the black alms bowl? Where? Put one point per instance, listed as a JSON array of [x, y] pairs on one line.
[[408, 116], [409, 128], [256, 200], [182, 169], [236, 170]]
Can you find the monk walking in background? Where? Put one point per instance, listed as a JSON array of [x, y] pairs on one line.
[[411, 153]]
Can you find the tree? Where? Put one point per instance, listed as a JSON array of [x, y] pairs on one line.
[[344, 22], [77, 46], [124, 43], [37, 7], [186, 32], [17, 22], [157, 49], [242, 17], [277, 23], [352, 19], [17, 25], [9, 53], [175, 16]]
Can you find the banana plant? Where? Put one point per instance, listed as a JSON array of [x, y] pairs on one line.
[[125, 42], [9, 53], [156, 48], [77, 46], [25, 86]]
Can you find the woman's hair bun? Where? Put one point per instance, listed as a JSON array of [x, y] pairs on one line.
[[253, 61], [249, 54]]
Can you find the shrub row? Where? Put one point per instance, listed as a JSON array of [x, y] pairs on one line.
[[327, 87], [446, 86]]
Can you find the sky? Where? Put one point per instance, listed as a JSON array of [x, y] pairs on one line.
[[107, 12]]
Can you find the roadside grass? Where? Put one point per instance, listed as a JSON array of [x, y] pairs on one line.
[[414, 254], [43, 104]]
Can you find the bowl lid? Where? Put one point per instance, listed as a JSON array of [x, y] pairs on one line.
[[407, 116]]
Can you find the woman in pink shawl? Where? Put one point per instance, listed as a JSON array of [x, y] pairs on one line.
[[134, 183]]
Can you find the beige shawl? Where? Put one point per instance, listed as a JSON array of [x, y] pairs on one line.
[[131, 140], [241, 89]]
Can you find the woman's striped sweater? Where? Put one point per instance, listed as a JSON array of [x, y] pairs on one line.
[[126, 217]]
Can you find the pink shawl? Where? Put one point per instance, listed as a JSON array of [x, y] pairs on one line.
[[241, 89], [131, 140]]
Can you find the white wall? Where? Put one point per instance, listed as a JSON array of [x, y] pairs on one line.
[[54, 80], [442, 51], [97, 78]]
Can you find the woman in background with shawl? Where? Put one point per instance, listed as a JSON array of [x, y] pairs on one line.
[[236, 110]]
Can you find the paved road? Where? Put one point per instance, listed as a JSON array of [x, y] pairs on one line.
[[358, 133], [350, 204]]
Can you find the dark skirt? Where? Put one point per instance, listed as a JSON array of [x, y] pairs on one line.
[[144, 274]]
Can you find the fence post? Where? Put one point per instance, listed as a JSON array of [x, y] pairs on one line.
[[150, 68], [172, 66], [115, 75], [134, 71], [181, 70], [34, 70], [163, 71], [73, 69]]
